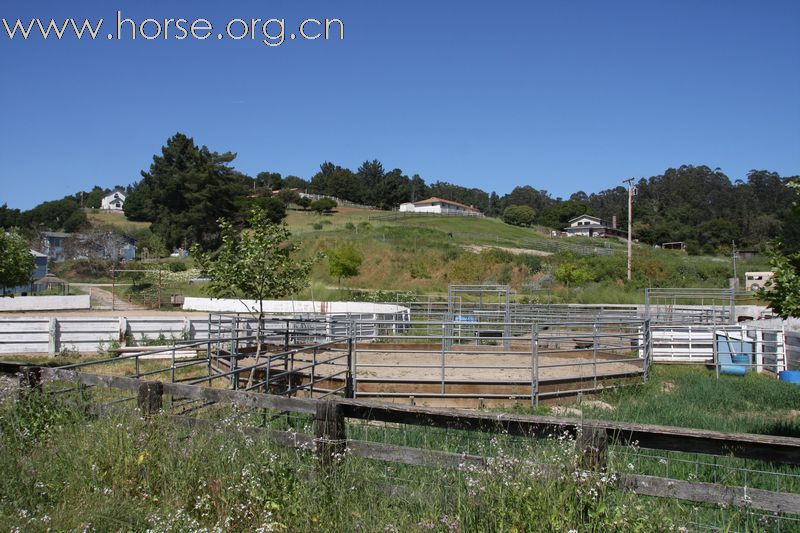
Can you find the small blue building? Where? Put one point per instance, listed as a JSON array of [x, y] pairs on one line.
[[39, 271]]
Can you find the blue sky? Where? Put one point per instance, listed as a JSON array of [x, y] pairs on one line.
[[562, 96]]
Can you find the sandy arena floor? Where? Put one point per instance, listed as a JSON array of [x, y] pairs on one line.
[[480, 367]]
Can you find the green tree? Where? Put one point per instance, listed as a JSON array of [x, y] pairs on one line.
[[518, 215], [185, 192], [64, 214], [16, 261], [288, 196], [304, 202], [527, 195], [294, 182], [9, 218], [273, 206], [783, 289], [257, 263], [323, 205], [344, 262], [269, 180]]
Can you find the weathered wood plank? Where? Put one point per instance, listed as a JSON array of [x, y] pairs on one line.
[[764, 500], [115, 382], [242, 398], [739, 497], [762, 447]]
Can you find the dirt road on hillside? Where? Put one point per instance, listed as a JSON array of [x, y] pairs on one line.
[[103, 298]]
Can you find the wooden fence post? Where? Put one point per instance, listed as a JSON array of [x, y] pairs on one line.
[[592, 443], [30, 380], [149, 397], [330, 432]]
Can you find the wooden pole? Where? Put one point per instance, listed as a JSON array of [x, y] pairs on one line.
[[629, 181], [30, 380], [592, 443], [149, 397], [330, 432]]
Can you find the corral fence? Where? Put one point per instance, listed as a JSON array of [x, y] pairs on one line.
[[463, 362], [793, 350], [695, 305], [753, 476]]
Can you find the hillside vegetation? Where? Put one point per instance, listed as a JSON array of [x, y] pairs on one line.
[[189, 188], [423, 254], [426, 253]]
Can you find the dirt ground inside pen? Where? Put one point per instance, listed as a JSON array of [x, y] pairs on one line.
[[461, 366], [488, 367]]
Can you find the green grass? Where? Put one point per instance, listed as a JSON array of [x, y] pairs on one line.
[[116, 221], [692, 396], [67, 470], [424, 254]]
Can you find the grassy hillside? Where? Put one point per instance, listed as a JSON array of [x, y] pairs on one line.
[[117, 221], [424, 254]]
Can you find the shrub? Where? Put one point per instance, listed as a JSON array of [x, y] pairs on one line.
[[323, 205], [175, 266], [519, 215], [288, 196], [344, 261], [304, 202], [573, 272], [274, 208]]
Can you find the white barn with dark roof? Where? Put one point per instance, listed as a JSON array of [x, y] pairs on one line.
[[439, 206], [589, 226]]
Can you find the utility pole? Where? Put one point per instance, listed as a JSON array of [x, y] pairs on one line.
[[733, 255], [629, 181]]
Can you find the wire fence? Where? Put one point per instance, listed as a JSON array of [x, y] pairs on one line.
[[444, 454]]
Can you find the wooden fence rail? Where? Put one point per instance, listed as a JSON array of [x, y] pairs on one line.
[[330, 435], [775, 449]]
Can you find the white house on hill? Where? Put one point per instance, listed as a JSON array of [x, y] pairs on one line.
[[589, 226], [440, 207], [113, 201]]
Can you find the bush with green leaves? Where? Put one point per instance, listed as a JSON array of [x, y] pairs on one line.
[[574, 272], [782, 292], [519, 215], [16, 261], [344, 261], [288, 196], [323, 205]]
